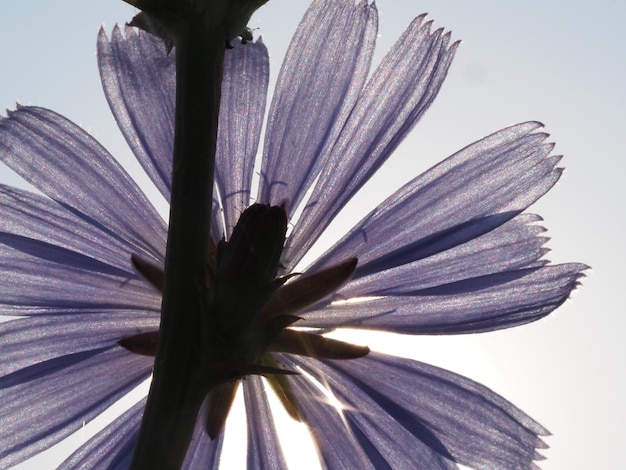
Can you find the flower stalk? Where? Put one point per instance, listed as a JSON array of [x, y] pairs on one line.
[[182, 371], [175, 396]]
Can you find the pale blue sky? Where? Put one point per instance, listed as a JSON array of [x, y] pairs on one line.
[[560, 62]]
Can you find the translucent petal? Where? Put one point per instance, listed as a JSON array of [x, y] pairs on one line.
[[68, 165], [46, 402], [264, 450], [139, 82], [319, 82], [472, 192], [28, 341], [33, 216], [392, 102], [514, 245], [343, 442], [452, 415], [485, 303], [337, 447], [244, 92], [41, 278], [113, 447]]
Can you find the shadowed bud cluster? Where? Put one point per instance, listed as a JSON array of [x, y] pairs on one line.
[[250, 311]]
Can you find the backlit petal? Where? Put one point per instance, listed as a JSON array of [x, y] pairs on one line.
[[41, 278], [485, 303], [113, 447], [517, 244], [46, 402], [346, 441], [68, 165], [139, 82], [452, 415], [33, 216], [28, 341], [320, 80], [264, 450], [244, 92], [392, 102], [472, 192]]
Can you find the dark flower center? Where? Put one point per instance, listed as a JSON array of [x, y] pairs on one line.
[[250, 309]]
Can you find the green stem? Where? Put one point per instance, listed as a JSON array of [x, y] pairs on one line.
[[179, 386]]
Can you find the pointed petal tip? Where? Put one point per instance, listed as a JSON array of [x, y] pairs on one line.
[[580, 269], [117, 29], [446, 37]]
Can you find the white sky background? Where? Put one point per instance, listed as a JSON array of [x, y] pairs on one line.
[[560, 62]]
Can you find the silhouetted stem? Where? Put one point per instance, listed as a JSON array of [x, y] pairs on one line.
[[179, 382]]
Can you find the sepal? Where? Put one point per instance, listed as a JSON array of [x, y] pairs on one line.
[[169, 18], [308, 289], [150, 271], [142, 343], [312, 345], [218, 404]]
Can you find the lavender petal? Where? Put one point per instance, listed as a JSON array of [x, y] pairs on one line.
[[46, 402], [68, 165], [37, 217], [320, 80], [264, 450], [113, 447], [28, 341], [485, 303], [40, 278], [467, 195], [516, 244], [139, 82], [343, 441], [244, 92], [452, 415], [392, 102]]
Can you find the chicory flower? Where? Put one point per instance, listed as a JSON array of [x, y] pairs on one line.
[[451, 252]]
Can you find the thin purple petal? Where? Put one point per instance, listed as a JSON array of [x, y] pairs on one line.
[[393, 101], [139, 81], [68, 165], [33, 216], [45, 403], [41, 278], [320, 80], [452, 415], [28, 341], [113, 447], [244, 92], [344, 442], [471, 193], [485, 303], [517, 244], [264, 450]]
